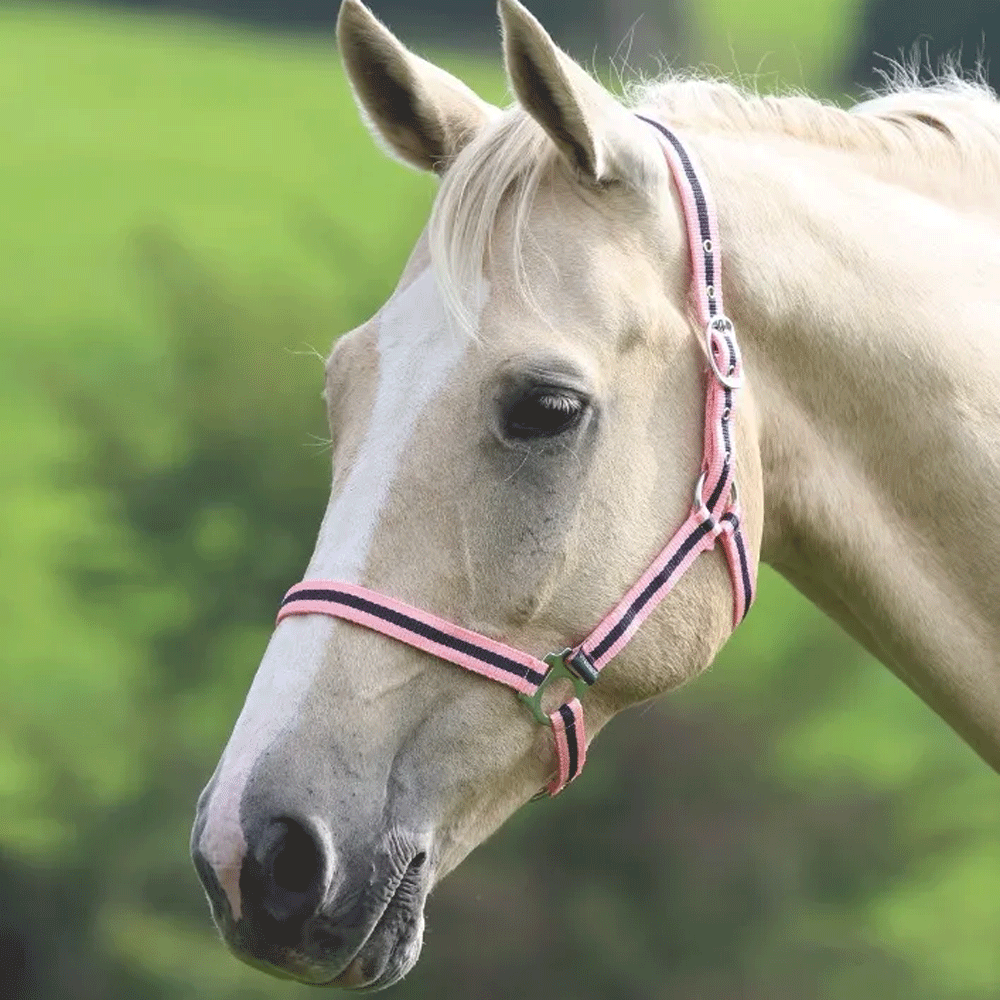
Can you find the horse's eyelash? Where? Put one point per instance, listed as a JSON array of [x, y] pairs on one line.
[[559, 401]]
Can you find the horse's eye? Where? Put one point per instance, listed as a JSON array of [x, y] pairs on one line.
[[542, 413]]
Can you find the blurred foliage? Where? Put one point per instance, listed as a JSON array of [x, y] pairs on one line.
[[774, 44], [462, 21], [179, 246]]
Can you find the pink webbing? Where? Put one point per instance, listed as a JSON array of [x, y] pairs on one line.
[[420, 629], [740, 572], [706, 290], [461, 646], [618, 626], [714, 515], [571, 744]]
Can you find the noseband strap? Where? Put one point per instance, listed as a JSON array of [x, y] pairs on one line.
[[714, 516]]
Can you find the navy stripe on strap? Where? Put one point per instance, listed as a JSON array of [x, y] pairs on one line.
[[700, 201], [418, 628], [744, 561], [727, 444], [572, 738], [651, 590]]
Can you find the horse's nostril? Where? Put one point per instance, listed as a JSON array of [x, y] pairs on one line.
[[284, 874], [295, 860]]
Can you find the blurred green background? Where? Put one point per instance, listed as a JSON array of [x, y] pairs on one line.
[[191, 212]]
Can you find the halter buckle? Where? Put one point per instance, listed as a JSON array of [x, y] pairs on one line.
[[721, 328], [574, 665]]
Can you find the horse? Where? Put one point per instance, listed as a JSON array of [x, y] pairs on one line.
[[520, 431]]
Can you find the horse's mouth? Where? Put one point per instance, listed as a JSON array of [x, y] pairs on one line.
[[393, 945]]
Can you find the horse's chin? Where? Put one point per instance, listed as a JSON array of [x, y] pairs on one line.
[[390, 951], [386, 955]]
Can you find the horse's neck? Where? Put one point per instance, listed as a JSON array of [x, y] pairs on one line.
[[869, 315]]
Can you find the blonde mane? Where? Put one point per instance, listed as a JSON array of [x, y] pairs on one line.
[[952, 121]]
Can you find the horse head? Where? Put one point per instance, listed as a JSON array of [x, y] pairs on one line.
[[517, 433]]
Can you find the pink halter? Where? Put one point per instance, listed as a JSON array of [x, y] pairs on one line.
[[714, 516]]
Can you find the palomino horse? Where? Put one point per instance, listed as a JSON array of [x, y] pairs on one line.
[[519, 431]]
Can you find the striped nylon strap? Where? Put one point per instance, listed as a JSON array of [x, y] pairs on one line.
[[714, 517]]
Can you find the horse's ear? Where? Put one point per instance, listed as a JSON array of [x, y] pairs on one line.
[[422, 114], [603, 140]]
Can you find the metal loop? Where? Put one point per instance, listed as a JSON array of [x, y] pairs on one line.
[[699, 500], [722, 327], [560, 665]]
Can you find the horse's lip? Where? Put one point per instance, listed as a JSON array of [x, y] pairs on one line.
[[404, 910], [394, 968], [391, 966]]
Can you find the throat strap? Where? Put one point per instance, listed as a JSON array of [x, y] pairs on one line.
[[714, 516]]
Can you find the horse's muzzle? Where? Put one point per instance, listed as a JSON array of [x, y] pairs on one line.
[[325, 914]]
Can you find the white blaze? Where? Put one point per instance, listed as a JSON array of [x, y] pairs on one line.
[[418, 348]]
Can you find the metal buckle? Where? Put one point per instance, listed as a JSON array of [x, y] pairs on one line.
[[572, 664], [723, 327]]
